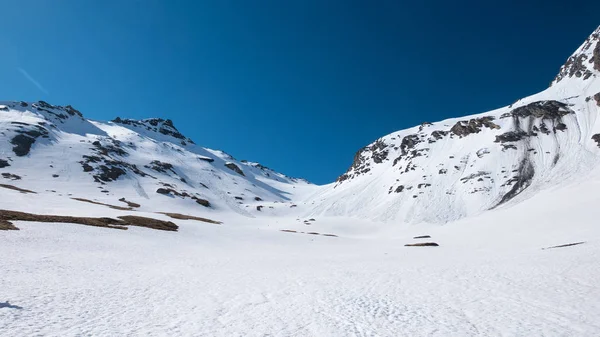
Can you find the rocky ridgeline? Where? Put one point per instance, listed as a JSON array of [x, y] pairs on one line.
[[411, 153]]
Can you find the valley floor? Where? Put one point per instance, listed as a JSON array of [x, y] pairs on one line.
[[251, 279]]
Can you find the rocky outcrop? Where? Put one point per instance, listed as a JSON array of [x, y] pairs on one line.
[[160, 166], [169, 190], [596, 138], [162, 126], [235, 168], [4, 163], [582, 63], [465, 128]]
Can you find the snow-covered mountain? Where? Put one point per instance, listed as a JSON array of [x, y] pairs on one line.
[[434, 172], [443, 171], [54, 150]]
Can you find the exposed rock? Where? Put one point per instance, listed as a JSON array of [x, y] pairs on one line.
[[596, 138], [560, 127], [422, 237], [4, 163], [522, 180], [422, 244], [597, 98], [511, 136], [190, 217], [257, 199], [159, 125], [596, 56], [11, 176], [129, 203], [15, 188], [437, 135], [379, 152], [109, 173], [160, 166], [565, 245], [259, 208], [171, 191], [549, 110], [234, 168], [482, 152], [409, 142], [22, 144], [399, 189], [210, 160], [465, 128], [7, 226]]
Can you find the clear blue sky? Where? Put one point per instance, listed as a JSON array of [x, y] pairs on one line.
[[297, 85]]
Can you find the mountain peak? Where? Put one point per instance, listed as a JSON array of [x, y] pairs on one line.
[[159, 125], [585, 61]]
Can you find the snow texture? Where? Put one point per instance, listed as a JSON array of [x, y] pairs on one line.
[[505, 194]]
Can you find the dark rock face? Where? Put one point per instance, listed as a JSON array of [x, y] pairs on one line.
[[379, 152], [437, 135], [235, 168], [160, 166], [22, 144], [162, 126], [465, 128], [596, 57], [511, 136], [596, 138], [4, 163], [521, 181], [597, 98], [171, 191], [409, 142], [109, 173], [576, 64], [210, 160], [548, 110], [357, 164], [11, 176], [574, 67]]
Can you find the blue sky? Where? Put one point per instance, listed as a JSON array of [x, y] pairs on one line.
[[299, 86]]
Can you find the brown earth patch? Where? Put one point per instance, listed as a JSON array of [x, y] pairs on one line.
[[120, 208], [422, 244], [130, 204], [11, 187], [190, 217], [309, 233], [121, 223], [7, 226]]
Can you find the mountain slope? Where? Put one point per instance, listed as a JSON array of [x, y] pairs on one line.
[[443, 171], [54, 150]]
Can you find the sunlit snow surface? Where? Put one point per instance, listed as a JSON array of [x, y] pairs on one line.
[[262, 273], [489, 277]]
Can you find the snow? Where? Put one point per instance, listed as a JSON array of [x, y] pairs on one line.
[[489, 276], [269, 269]]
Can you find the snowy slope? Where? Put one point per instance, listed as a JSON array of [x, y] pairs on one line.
[[489, 276], [513, 182], [444, 171], [55, 151]]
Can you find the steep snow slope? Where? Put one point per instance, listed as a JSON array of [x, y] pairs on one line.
[[55, 151], [443, 171]]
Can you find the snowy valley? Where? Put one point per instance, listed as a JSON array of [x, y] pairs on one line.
[[508, 196]]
